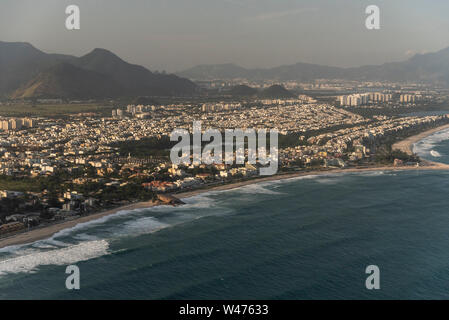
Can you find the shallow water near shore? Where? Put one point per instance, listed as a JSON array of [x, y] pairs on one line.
[[302, 238], [435, 147]]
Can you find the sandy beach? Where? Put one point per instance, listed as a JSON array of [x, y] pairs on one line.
[[48, 231], [406, 145]]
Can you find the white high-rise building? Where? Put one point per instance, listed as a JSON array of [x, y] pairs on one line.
[[363, 98]]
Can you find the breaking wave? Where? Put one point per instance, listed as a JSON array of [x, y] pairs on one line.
[[426, 147], [258, 188], [435, 154], [124, 223], [63, 256]]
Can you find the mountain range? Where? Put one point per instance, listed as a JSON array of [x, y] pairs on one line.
[[429, 67], [26, 72]]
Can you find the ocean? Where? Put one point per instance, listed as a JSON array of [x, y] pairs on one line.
[[303, 238]]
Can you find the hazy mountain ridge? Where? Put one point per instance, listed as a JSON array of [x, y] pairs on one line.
[[136, 79], [421, 67], [20, 62], [65, 80], [242, 91], [27, 72], [273, 92]]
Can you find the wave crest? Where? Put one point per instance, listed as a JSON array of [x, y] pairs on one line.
[[65, 256]]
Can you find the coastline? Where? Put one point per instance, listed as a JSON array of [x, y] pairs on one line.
[[406, 145], [48, 231]]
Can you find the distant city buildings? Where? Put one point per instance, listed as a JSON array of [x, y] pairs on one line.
[[380, 97], [409, 98], [359, 99], [138, 111], [16, 124], [208, 107], [354, 100]]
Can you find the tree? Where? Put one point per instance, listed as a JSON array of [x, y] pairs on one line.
[[53, 200]]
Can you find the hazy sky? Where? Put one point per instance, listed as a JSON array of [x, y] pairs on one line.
[[178, 34]]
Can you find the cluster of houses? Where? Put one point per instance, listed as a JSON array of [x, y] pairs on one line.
[[182, 179], [24, 213]]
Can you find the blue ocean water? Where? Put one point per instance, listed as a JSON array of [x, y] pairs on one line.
[[434, 147], [302, 238]]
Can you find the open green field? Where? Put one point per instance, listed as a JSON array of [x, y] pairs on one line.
[[52, 110], [22, 184]]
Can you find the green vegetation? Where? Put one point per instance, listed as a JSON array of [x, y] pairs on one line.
[[159, 147], [385, 155], [290, 140], [21, 184], [127, 192], [52, 110], [398, 110], [145, 101], [294, 139], [37, 184]]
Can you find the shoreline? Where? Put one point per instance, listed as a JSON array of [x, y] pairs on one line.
[[48, 231], [406, 145]]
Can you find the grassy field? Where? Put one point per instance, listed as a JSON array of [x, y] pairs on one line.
[[23, 185], [52, 110]]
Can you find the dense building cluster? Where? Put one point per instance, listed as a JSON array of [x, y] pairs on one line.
[[81, 154], [16, 124]]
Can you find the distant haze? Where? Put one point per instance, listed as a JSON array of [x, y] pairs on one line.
[[174, 35]]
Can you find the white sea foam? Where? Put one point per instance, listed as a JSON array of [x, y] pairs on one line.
[[40, 245], [197, 202], [435, 154], [88, 224], [141, 226], [53, 242], [26, 258], [375, 173], [258, 188], [305, 177], [136, 222], [11, 249], [63, 256], [50, 241], [424, 148]]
